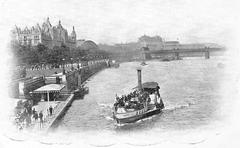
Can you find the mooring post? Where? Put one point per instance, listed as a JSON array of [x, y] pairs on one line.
[[177, 55]]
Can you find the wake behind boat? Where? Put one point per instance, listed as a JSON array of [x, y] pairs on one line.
[[143, 102]]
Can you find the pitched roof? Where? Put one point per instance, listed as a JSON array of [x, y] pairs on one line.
[[49, 88]]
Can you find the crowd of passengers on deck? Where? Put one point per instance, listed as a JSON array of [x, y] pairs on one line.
[[134, 100]]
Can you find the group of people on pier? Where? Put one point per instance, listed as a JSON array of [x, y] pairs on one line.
[[24, 114], [27, 116]]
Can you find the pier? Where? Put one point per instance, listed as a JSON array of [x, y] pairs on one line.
[[60, 111], [31, 89]]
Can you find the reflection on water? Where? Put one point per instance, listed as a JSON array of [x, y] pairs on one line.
[[189, 87]]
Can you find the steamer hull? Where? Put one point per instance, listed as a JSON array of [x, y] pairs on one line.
[[129, 119], [132, 117]]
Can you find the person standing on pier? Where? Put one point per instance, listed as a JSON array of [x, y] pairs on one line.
[[35, 116], [50, 110], [41, 119]]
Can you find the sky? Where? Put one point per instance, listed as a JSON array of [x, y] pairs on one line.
[[120, 21]]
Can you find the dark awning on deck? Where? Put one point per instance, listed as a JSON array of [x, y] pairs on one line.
[[148, 85]]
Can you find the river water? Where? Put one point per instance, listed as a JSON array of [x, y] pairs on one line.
[[190, 88]]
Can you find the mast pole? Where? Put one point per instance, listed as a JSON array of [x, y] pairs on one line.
[[139, 80]]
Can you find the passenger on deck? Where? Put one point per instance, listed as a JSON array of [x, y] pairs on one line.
[[117, 98], [33, 111], [157, 89], [133, 100]]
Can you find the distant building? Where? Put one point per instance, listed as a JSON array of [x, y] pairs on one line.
[[192, 46], [169, 45], [87, 44], [46, 34], [155, 42], [80, 42], [145, 53], [172, 43]]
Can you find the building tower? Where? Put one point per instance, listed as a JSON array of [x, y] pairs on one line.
[[73, 35]]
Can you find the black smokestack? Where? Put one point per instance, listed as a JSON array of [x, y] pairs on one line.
[[139, 79]]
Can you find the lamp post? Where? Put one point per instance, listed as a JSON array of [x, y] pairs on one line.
[[78, 66], [63, 66], [72, 64]]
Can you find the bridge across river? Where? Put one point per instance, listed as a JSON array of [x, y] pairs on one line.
[[176, 53]]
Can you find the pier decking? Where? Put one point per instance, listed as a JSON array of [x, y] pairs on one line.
[[59, 108], [60, 111]]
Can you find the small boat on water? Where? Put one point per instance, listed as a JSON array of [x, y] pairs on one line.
[[168, 59], [80, 92], [143, 102], [114, 64], [143, 63]]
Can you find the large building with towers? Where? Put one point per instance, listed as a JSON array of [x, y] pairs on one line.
[[45, 34]]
